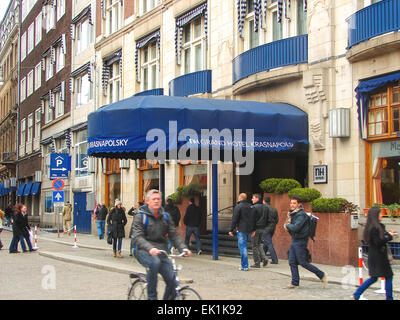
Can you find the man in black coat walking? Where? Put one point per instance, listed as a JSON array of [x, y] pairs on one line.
[[243, 223], [192, 223], [101, 214], [260, 213], [273, 220]]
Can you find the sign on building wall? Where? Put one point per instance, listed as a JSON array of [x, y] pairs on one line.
[[320, 174]]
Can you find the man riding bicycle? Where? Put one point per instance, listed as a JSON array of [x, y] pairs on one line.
[[151, 229]]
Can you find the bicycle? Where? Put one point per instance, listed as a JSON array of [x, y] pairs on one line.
[[138, 289]]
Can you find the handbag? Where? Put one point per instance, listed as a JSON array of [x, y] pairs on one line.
[[109, 238], [389, 253]]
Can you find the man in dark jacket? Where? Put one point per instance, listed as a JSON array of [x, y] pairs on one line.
[[192, 223], [101, 214], [298, 227], [173, 211], [152, 236], [243, 223], [260, 213], [273, 220]]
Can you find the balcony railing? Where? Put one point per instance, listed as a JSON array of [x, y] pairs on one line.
[[191, 83], [377, 19], [152, 92], [285, 52]]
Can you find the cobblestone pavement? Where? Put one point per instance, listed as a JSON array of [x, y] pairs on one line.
[[90, 272]]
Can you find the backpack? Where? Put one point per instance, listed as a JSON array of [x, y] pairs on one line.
[[145, 220], [312, 222]]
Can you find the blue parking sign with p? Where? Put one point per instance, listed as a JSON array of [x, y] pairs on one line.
[[59, 165]]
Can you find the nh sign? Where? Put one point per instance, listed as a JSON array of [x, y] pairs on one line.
[[59, 165]]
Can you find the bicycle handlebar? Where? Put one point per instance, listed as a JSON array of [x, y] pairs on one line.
[[172, 255]]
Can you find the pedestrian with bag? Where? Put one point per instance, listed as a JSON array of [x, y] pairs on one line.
[[151, 229], [269, 231], [66, 214], [2, 214], [260, 213], [116, 226], [132, 211], [298, 226], [243, 225], [101, 214], [192, 223], [377, 238]]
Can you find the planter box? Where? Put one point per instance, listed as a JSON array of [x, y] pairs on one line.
[[386, 212], [335, 242]]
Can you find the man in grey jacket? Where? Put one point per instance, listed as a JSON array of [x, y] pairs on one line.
[[150, 234]]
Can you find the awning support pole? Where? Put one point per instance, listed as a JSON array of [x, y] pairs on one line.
[[215, 210], [162, 182]]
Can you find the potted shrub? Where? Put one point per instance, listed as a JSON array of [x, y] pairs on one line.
[[285, 185], [305, 194], [330, 205], [391, 211], [269, 185]]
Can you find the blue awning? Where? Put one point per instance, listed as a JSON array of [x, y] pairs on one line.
[[21, 189], [35, 188], [363, 91], [1, 189], [119, 130], [27, 190]]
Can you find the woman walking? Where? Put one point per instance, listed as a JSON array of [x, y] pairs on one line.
[[17, 225], [116, 225], [377, 238]]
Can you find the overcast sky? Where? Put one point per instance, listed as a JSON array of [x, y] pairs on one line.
[[3, 7]]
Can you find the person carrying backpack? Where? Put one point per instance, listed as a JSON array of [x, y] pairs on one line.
[[151, 229], [298, 226]]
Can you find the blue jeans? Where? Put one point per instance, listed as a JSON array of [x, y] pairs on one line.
[[115, 240], [242, 244], [298, 256], [14, 244], [195, 231], [158, 264], [100, 228], [372, 280], [269, 246]]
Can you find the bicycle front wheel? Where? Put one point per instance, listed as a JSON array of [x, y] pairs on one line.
[[138, 290], [187, 293]]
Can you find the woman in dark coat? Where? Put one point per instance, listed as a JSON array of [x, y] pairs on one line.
[[377, 238], [116, 225], [18, 223]]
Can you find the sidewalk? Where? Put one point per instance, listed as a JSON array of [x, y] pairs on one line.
[[100, 256]]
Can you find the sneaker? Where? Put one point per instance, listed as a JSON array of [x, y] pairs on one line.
[[256, 265], [265, 262], [33, 249], [292, 286], [324, 281], [199, 252], [274, 262], [243, 269]]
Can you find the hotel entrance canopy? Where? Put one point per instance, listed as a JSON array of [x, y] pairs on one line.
[[119, 130]]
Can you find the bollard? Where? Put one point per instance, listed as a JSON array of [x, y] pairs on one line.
[[360, 267], [75, 246], [382, 290], [35, 246]]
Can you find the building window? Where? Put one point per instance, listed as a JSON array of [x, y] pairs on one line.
[[49, 67], [60, 58], [148, 177], [23, 46], [50, 17], [194, 46], [148, 5], [46, 154], [60, 9], [114, 83], [31, 35], [114, 14], [23, 132], [38, 28], [83, 90], [38, 113], [84, 35], [23, 89], [38, 76], [30, 83], [58, 104], [49, 114], [30, 127], [81, 156], [149, 66], [48, 200]]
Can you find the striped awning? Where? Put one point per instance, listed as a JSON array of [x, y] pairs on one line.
[[144, 41], [107, 64], [185, 19]]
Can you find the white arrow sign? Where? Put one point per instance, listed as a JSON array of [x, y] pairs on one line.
[[58, 196], [59, 169]]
